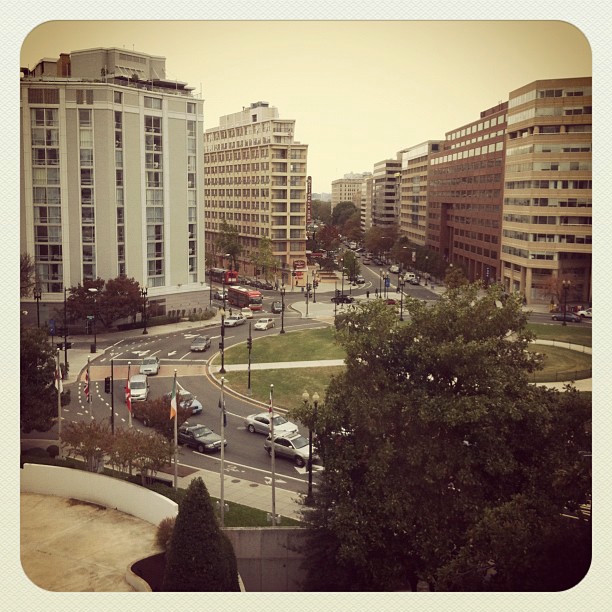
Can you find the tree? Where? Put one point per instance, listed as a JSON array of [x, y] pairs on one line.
[[155, 413], [329, 237], [375, 240], [91, 440], [454, 277], [120, 299], [229, 241], [38, 395], [321, 211], [27, 275], [352, 227], [199, 558], [152, 452], [441, 407], [82, 303], [351, 265], [341, 212], [263, 259]]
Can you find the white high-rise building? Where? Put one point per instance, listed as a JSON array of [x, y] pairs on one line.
[[112, 160]]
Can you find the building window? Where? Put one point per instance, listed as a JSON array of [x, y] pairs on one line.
[[191, 107], [118, 97], [152, 102]]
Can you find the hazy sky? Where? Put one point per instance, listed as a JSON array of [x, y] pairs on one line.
[[359, 90]]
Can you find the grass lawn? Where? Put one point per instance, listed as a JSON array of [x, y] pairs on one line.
[[288, 384], [561, 364], [573, 332], [292, 346]]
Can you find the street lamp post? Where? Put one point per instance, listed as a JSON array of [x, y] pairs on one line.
[[210, 287], [65, 334], [222, 344], [282, 292], [400, 284], [143, 292], [249, 347], [315, 404], [37, 297], [95, 294], [566, 287], [380, 276]]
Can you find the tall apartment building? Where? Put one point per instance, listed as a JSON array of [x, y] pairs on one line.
[[255, 180], [385, 200], [111, 157], [465, 195], [413, 190], [344, 189], [547, 207], [365, 207]]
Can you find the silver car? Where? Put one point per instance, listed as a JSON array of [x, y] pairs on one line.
[[233, 320], [260, 423], [150, 366], [264, 324], [293, 447], [200, 343]]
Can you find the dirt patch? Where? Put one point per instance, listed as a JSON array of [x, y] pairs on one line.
[[151, 570], [80, 502], [183, 470]]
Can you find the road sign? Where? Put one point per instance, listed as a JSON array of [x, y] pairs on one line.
[[52, 327], [387, 282]]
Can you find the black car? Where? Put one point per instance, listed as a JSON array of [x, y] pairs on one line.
[[267, 285], [343, 299], [566, 316], [200, 437], [277, 307]]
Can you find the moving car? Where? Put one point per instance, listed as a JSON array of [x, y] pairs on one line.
[[260, 423], [394, 268], [359, 279], [343, 299], [293, 447], [566, 316], [139, 387], [150, 365], [277, 307], [200, 343], [188, 401], [233, 320], [414, 281], [587, 313], [264, 324], [247, 313], [200, 437], [367, 260]]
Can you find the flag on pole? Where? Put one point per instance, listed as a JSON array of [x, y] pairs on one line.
[[222, 407], [86, 389], [173, 410], [270, 406], [128, 392], [58, 379]]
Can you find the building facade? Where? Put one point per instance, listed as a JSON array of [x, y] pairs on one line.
[[465, 195], [365, 206], [547, 207], [255, 181], [385, 193], [413, 190], [345, 189], [111, 162]]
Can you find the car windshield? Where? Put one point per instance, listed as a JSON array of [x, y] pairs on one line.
[[186, 397], [150, 361], [256, 300], [200, 340], [299, 442], [201, 431], [279, 420], [137, 385]]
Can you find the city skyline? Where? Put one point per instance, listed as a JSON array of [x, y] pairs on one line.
[[354, 104]]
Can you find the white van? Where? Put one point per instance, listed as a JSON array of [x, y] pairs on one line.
[[408, 276], [139, 387]]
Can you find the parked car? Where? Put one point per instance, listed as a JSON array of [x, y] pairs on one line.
[[343, 299], [566, 316], [277, 307], [293, 447], [394, 269], [188, 401], [150, 366], [367, 260], [264, 324], [234, 320], [247, 313], [139, 387], [200, 437], [260, 423], [200, 343], [267, 285], [586, 313], [219, 293], [414, 281]]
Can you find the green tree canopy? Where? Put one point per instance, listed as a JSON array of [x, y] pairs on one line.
[[229, 242], [263, 259], [341, 212], [27, 275], [432, 425], [200, 557]]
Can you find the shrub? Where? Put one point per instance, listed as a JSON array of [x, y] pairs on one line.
[[164, 532], [53, 450]]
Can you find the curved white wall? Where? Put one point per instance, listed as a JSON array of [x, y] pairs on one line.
[[96, 488]]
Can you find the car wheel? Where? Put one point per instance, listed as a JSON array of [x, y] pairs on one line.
[[145, 422], [251, 428], [200, 448], [299, 461]]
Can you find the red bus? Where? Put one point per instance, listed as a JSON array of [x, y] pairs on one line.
[[243, 297], [220, 275]]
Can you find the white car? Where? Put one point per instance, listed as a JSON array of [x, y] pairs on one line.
[[233, 320], [587, 313], [264, 324], [247, 313], [260, 423], [394, 268], [150, 365]]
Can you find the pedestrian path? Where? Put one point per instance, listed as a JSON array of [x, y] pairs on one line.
[[279, 365]]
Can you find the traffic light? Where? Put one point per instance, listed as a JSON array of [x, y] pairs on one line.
[[293, 273], [249, 343], [316, 284], [107, 384]]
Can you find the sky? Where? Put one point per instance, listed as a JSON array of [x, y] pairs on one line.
[[359, 91]]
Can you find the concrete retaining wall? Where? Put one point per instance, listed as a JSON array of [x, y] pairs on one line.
[[268, 557], [98, 489]]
